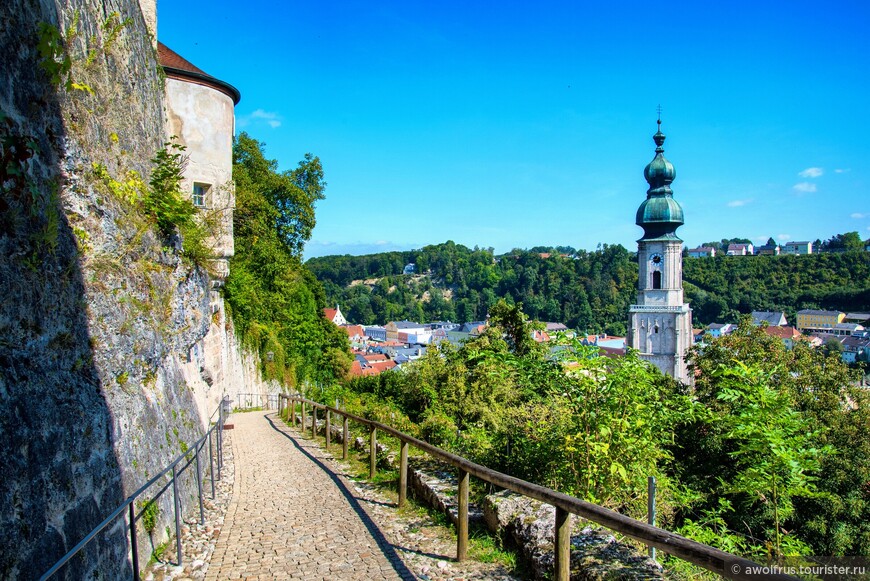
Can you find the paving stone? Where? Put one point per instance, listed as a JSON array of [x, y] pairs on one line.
[[285, 510]]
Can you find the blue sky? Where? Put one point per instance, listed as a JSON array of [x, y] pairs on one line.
[[508, 124]]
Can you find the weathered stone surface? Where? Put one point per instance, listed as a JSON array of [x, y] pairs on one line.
[[595, 553], [437, 485], [105, 336]]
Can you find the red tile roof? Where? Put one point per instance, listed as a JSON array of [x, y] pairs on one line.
[[330, 314], [354, 330], [783, 332], [374, 368], [383, 365], [178, 67], [170, 58]]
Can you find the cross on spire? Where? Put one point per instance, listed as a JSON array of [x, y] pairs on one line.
[[659, 111]]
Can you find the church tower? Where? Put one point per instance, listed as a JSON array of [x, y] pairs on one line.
[[660, 324]]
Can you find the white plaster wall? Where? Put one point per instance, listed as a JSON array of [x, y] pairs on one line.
[[202, 119]]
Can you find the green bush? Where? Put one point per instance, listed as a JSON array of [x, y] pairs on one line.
[[164, 201]]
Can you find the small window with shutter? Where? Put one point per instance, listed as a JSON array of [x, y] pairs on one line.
[[199, 194]]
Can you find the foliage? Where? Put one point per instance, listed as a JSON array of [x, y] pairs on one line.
[[55, 50], [163, 203], [785, 447], [623, 417], [848, 242], [290, 195], [164, 200], [276, 303], [583, 424], [771, 448], [150, 511], [585, 290], [589, 291], [721, 288]]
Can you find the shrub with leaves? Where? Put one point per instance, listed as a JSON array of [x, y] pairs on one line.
[[164, 200]]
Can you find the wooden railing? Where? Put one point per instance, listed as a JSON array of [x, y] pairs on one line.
[[725, 564]]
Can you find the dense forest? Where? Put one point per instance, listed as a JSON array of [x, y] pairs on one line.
[[586, 290]]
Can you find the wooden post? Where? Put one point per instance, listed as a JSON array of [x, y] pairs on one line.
[[293, 413], [563, 544], [373, 452], [302, 421], [313, 421], [651, 509], [462, 525], [403, 474], [328, 428], [345, 436]]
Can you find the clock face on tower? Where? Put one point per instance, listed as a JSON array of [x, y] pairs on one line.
[[656, 258]]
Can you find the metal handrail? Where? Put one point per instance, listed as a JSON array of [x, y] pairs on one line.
[[245, 401], [712, 559], [129, 502]]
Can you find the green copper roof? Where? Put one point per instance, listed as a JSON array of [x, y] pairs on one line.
[[659, 215]]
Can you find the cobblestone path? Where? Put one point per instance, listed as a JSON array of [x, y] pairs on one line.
[[291, 517]]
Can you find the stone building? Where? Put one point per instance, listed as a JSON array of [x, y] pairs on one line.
[[200, 116], [660, 324]]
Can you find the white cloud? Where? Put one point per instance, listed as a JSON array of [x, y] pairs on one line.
[[811, 172], [859, 215], [784, 237], [842, 170], [804, 188], [738, 203], [271, 119]]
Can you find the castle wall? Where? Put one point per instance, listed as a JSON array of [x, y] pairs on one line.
[[98, 390]]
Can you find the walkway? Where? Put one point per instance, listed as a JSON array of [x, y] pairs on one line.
[[291, 517]]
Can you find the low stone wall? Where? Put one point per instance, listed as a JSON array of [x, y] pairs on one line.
[[595, 553]]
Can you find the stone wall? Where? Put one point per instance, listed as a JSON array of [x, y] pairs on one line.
[[111, 356]]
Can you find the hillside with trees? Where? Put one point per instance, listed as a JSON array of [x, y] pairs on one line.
[[586, 290]]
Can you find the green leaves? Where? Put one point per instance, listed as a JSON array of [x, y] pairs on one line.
[[781, 437], [164, 200], [276, 302], [290, 195]]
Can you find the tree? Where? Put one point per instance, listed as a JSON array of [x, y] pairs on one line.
[[787, 394], [276, 302], [516, 327], [848, 242], [292, 194]]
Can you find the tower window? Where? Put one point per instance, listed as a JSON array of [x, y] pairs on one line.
[[657, 279], [199, 193]]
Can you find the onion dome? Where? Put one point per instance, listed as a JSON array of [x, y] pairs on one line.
[[659, 215]]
